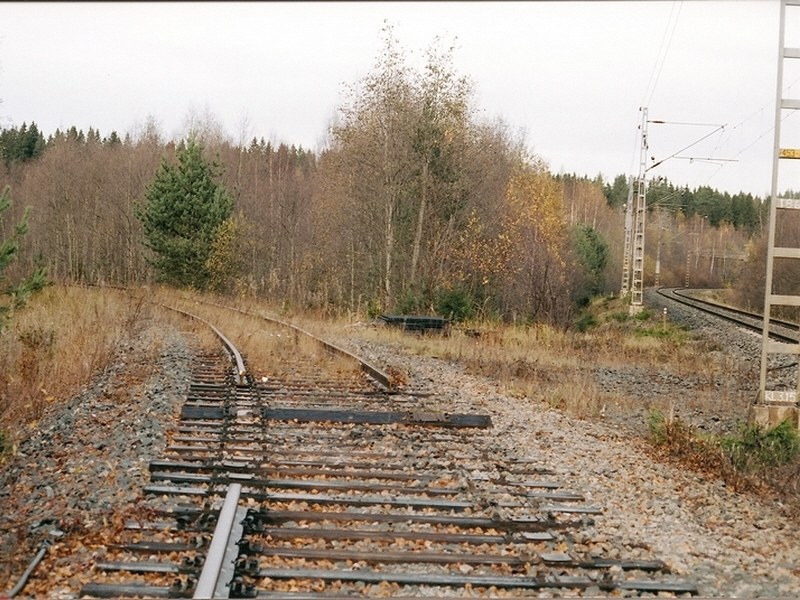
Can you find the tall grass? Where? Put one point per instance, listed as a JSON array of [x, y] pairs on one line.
[[53, 347], [557, 367], [270, 349]]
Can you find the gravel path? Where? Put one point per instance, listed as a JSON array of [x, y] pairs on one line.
[[714, 401], [91, 458]]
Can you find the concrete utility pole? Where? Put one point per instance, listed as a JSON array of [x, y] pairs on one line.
[[777, 401]]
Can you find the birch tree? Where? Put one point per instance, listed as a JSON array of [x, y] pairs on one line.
[[374, 139], [440, 140]]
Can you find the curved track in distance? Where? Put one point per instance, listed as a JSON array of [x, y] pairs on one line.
[[783, 331]]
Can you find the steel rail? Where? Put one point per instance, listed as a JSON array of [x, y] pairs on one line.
[[379, 376], [218, 550], [241, 371], [724, 312], [23, 580], [684, 293]]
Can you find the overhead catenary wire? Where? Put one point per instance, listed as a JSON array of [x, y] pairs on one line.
[[725, 134], [708, 135], [666, 42], [764, 133], [655, 74]]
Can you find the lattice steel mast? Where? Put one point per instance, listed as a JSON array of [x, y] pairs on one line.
[[626, 257], [639, 212], [774, 405]]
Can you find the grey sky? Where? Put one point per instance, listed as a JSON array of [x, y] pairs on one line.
[[571, 75]]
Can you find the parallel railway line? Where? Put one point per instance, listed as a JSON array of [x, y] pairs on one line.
[[783, 331], [326, 486]]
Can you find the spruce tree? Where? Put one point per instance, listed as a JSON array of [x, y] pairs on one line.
[[184, 209], [9, 248]]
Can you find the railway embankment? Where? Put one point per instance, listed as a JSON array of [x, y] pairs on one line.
[[80, 474]]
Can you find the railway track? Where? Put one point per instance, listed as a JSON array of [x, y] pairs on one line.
[[783, 331], [312, 485]]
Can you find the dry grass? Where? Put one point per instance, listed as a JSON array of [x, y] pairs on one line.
[[556, 367], [269, 348], [66, 335], [539, 362], [54, 346]]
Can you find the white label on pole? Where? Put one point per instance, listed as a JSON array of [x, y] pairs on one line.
[[780, 397], [788, 203]]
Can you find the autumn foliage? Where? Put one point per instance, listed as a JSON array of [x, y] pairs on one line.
[[415, 203]]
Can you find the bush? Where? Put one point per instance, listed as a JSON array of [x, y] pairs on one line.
[[409, 302], [756, 448], [621, 317], [374, 308], [677, 334], [673, 433], [586, 322], [454, 304]]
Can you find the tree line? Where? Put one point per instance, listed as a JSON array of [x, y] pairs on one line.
[[415, 205], [741, 210]]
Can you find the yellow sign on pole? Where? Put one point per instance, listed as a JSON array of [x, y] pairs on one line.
[[790, 153]]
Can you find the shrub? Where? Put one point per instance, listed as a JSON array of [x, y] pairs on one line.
[[677, 334], [671, 432], [374, 308], [586, 322], [756, 448], [454, 304], [410, 302]]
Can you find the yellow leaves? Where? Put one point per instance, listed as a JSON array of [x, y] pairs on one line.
[[487, 255], [229, 245], [535, 207], [531, 222], [537, 224]]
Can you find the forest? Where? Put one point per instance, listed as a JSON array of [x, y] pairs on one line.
[[415, 204]]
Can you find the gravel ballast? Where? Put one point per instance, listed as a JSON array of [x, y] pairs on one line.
[[86, 463]]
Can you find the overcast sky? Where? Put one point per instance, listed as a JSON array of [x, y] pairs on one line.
[[571, 75]]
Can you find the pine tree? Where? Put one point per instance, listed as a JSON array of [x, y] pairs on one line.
[[112, 139], [9, 248], [20, 145], [592, 251], [184, 209]]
